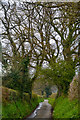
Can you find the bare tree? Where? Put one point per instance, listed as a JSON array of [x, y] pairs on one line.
[[42, 31]]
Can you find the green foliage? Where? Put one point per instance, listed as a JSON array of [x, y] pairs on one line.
[[23, 108], [40, 99], [12, 80], [61, 73], [18, 77], [5, 63], [65, 108], [20, 108], [51, 101]]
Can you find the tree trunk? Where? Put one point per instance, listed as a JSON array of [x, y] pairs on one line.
[[79, 77], [59, 91]]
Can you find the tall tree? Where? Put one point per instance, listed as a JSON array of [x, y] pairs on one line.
[[42, 31]]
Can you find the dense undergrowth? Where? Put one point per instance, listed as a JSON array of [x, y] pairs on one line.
[[51, 101], [19, 108], [65, 108]]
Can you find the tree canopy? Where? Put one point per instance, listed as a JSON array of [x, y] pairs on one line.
[[44, 32]]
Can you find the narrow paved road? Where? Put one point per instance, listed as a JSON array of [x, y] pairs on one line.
[[43, 111]]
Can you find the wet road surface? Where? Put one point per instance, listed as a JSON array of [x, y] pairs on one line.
[[42, 111]]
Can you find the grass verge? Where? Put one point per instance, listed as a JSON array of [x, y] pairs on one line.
[[20, 108], [51, 101], [65, 108]]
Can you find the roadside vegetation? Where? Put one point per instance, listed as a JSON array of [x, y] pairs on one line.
[[40, 42], [64, 108], [15, 107], [51, 101], [20, 109]]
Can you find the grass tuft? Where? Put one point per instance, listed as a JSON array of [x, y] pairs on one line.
[[65, 108]]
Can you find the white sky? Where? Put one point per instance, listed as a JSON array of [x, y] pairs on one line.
[[42, 0], [51, 41]]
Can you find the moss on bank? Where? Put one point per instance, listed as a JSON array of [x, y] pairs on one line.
[[15, 107], [20, 109]]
